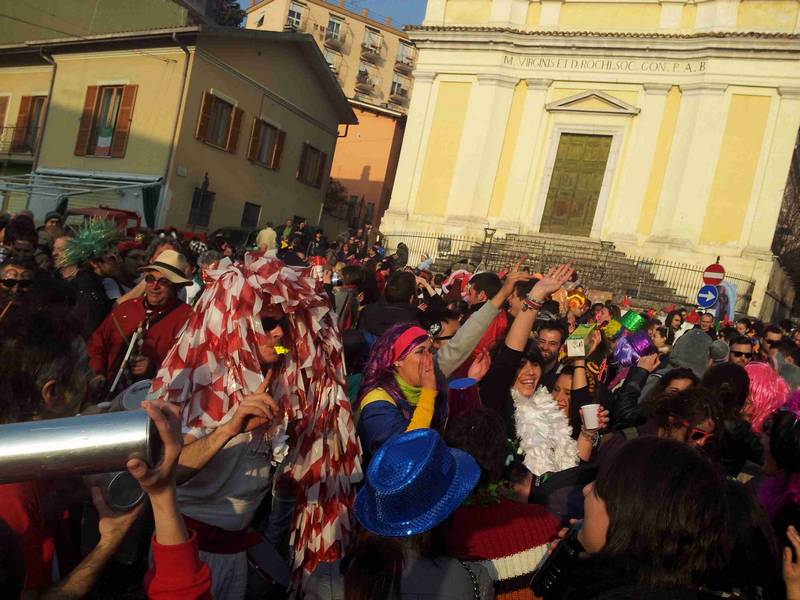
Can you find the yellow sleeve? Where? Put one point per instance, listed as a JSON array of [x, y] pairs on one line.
[[423, 414]]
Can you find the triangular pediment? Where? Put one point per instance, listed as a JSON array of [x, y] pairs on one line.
[[593, 101]]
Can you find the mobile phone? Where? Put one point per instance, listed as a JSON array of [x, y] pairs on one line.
[[553, 571]]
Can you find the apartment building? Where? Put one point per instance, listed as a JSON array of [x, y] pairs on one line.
[[194, 127], [373, 62]]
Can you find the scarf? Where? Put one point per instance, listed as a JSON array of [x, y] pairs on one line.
[[410, 393], [544, 432]]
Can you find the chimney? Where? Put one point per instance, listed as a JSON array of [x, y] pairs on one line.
[[388, 21], [365, 12]]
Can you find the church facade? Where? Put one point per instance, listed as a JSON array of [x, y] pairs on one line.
[[664, 126]]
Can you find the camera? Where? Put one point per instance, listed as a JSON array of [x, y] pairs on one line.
[[553, 572]]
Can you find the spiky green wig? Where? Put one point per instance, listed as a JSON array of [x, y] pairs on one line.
[[92, 241]]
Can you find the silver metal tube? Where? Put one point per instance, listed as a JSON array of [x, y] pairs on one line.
[[76, 445]]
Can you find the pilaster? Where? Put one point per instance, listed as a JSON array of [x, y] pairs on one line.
[[481, 145], [551, 13], [692, 164], [434, 12], [412, 152], [522, 173], [770, 197], [624, 215]]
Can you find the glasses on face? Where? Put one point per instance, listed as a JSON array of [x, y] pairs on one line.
[[22, 284], [696, 435], [738, 354], [443, 338], [159, 281], [769, 342]]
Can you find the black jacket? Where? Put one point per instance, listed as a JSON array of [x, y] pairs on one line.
[[739, 445], [378, 317]]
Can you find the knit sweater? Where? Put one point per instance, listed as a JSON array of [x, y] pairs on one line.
[[509, 538]]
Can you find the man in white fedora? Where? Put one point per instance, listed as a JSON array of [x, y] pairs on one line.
[[148, 325]]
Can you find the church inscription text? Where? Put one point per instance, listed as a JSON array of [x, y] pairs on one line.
[[616, 65]]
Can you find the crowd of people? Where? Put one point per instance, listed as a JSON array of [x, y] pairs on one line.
[[340, 423]]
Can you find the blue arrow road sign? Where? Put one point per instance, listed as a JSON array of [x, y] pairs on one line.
[[707, 296]]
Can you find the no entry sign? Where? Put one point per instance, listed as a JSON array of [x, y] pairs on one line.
[[714, 274]]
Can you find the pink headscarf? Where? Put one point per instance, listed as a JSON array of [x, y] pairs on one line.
[[768, 393], [215, 364]]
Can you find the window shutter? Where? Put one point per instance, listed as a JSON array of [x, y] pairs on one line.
[[21, 131], [87, 118], [277, 152], [255, 140], [323, 161], [3, 110], [204, 117], [124, 117], [233, 132], [301, 168]]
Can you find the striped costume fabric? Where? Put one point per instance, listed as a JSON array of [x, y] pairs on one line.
[[215, 364]]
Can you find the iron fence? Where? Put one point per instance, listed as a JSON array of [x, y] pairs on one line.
[[654, 282]]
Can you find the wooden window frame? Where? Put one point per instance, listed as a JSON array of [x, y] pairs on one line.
[[204, 124], [20, 140], [85, 144], [312, 179], [274, 153]]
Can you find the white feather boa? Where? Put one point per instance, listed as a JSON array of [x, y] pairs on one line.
[[544, 433]]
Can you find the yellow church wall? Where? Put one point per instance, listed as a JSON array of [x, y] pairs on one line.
[[467, 11], [736, 169], [660, 160], [772, 15], [508, 151], [609, 15], [534, 12], [442, 148], [688, 16]]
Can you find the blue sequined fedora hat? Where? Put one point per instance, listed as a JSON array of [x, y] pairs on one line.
[[414, 482]]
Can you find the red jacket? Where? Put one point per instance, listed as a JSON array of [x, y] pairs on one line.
[[177, 572], [106, 346]]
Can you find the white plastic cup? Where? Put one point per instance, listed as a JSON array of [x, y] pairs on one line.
[[591, 416]]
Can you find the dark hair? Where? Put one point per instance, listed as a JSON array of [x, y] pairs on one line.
[[785, 324], [773, 329], [400, 287], [678, 373], [745, 322], [523, 288], [39, 345], [354, 275], [21, 260], [488, 283], [694, 406], [652, 323], [752, 556], [668, 514], [532, 354], [615, 311], [482, 434], [170, 241], [440, 315], [784, 440], [552, 326], [731, 385], [21, 228], [374, 566], [741, 340]]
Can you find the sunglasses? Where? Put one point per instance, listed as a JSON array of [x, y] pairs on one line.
[[738, 354], [12, 283], [697, 435], [152, 280]]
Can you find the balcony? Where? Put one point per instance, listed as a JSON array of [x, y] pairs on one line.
[[366, 82], [406, 57], [19, 140], [295, 22], [371, 47], [399, 95], [335, 40]]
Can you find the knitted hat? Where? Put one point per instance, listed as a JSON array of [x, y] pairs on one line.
[[53, 215], [718, 352], [691, 350]]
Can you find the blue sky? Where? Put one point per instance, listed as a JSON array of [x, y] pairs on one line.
[[403, 12]]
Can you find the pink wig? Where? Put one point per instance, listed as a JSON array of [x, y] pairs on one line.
[[768, 393]]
